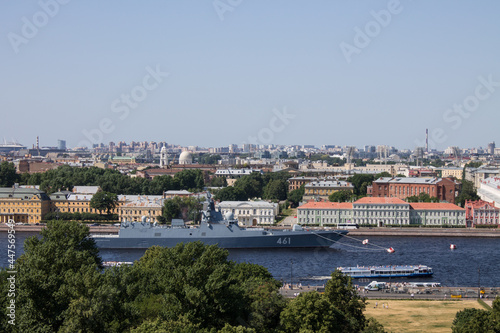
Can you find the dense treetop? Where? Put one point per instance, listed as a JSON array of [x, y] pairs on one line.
[[62, 287]]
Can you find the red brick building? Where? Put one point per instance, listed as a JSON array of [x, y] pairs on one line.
[[400, 187], [481, 213]]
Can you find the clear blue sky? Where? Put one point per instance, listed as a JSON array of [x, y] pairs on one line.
[[227, 76]]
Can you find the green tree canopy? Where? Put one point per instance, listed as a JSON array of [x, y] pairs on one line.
[[104, 201], [339, 309], [476, 320], [218, 182], [360, 183], [8, 174], [191, 280], [474, 164], [58, 277], [252, 185], [422, 197], [467, 192], [311, 312], [65, 177], [230, 194], [276, 190], [295, 196], [382, 174], [341, 196]]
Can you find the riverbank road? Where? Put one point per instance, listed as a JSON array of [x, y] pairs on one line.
[[400, 291]]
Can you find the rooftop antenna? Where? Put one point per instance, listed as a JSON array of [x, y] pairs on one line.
[[427, 140]]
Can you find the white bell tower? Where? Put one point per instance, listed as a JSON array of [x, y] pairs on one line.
[[163, 157]]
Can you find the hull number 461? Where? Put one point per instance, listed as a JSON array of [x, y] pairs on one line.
[[284, 240]]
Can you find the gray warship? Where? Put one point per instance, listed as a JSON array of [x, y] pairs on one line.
[[215, 228]]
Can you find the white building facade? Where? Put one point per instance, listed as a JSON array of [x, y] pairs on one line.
[[251, 213], [380, 211]]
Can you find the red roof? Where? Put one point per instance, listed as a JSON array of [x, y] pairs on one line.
[[379, 200], [326, 205], [434, 206]]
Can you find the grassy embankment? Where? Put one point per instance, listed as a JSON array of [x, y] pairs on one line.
[[416, 315]]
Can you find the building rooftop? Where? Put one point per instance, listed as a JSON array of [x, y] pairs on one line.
[[380, 200], [493, 182], [139, 197], [326, 205], [256, 204], [22, 193], [177, 192], [434, 206], [408, 180], [478, 204], [303, 178], [235, 204], [86, 189], [329, 183], [80, 197]]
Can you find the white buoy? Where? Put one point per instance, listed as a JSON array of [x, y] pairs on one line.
[[453, 246], [365, 242], [391, 250]]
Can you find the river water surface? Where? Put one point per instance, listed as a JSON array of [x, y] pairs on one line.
[[475, 261]]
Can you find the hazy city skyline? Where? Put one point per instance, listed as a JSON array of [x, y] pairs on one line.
[[219, 72]]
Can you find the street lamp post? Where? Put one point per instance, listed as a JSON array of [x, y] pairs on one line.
[[479, 282]]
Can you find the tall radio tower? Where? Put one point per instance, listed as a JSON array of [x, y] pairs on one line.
[[427, 140]]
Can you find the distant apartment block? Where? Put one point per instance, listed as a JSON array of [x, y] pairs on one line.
[[421, 172], [399, 187], [451, 172], [380, 212]]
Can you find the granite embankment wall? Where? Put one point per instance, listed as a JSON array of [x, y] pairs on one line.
[[400, 232]]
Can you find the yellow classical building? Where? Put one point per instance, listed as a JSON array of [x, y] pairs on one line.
[[30, 205], [322, 189], [23, 204]]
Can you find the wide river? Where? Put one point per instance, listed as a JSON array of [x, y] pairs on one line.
[[476, 260]]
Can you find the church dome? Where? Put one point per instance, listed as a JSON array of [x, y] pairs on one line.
[[185, 158]]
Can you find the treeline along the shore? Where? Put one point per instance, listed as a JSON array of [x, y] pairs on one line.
[[60, 285]]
